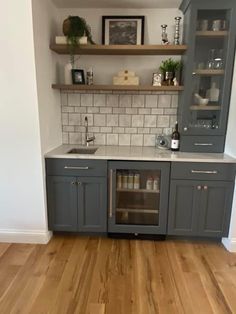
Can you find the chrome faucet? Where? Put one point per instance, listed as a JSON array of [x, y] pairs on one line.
[[87, 138]]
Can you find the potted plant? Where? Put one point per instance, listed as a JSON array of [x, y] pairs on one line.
[[169, 70], [75, 27]]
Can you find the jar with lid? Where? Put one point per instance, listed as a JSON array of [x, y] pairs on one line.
[[149, 183], [130, 181], [125, 180], [136, 181], [156, 183], [119, 180]]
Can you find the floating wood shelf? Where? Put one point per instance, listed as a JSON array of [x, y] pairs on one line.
[[77, 87], [121, 49], [138, 191], [212, 33], [207, 107], [207, 72]]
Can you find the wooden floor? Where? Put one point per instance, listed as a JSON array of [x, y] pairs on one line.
[[93, 275]]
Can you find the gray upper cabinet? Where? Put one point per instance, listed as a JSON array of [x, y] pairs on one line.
[[209, 32]]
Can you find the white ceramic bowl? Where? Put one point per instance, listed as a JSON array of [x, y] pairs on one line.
[[203, 101]]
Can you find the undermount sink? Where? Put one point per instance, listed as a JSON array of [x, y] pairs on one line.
[[83, 151]]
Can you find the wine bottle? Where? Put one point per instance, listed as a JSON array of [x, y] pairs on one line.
[[175, 139]]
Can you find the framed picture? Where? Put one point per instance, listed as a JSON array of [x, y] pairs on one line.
[[123, 30], [156, 79], [78, 77]]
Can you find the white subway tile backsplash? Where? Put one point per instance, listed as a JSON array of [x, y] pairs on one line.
[[125, 120], [86, 100], [164, 101], [112, 120], [74, 119], [137, 140], [150, 121], [112, 139], [124, 139], [149, 140], [65, 118], [163, 121], [151, 101], [138, 101], [100, 120], [130, 130], [112, 100], [128, 118], [73, 100], [125, 101], [99, 100], [75, 138], [137, 121]]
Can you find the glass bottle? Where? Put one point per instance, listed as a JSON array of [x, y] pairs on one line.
[[211, 59]]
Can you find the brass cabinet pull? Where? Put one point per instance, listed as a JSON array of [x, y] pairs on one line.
[[204, 171], [199, 187], [111, 193], [73, 183], [205, 187], [76, 168]]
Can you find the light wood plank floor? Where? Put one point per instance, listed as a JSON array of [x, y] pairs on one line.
[[98, 275]]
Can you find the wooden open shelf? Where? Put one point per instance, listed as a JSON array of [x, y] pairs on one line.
[[207, 107], [209, 72], [138, 191], [77, 87], [212, 33], [133, 50]]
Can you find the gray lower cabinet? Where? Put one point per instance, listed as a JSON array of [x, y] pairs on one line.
[[77, 195], [200, 208], [77, 203], [62, 203]]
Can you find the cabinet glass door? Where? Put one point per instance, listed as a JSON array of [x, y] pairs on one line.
[[210, 59], [137, 197]]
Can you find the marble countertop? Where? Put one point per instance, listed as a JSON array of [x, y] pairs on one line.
[[138, 153]]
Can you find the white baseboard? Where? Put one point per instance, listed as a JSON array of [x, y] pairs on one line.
[[25, 236], [229, 244]]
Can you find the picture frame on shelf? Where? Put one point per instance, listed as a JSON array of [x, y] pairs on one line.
[[157, 79], [78, 76], [123, 30]]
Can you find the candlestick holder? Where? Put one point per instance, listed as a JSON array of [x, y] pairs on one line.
[[164, 36], [177, 30]]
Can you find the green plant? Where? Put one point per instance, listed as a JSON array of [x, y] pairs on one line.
[[170, 65], [75, 27]]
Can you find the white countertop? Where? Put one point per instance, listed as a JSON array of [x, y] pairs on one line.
[[138, 153]]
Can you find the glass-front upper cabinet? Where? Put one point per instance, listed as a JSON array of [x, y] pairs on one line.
[[138, 197], [208, 67]]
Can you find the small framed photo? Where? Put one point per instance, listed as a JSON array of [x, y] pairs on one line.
[[123, 30], [78, 77], [157, 79]]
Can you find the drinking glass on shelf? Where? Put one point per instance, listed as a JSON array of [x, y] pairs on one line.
[[202, 25], [219, 60], [211, 59]]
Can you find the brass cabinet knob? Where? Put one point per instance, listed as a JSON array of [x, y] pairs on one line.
[[199, 187]]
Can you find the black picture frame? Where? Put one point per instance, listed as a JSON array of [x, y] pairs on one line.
[[123, 40], [78, 76]]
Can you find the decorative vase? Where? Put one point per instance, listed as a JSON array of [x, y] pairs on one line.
[[169, 78], [67, 74]]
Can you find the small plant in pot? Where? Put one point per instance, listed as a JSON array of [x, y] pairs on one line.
[[74, 28], [169, 70]]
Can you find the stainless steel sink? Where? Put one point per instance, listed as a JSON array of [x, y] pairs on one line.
[[83, 151]]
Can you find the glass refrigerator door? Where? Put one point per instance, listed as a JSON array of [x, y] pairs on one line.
[[205, 108], [137, 197]]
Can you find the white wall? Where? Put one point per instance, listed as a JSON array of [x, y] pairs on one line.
[[230, 148], [44, 23], [22, 205], [105, 67]]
